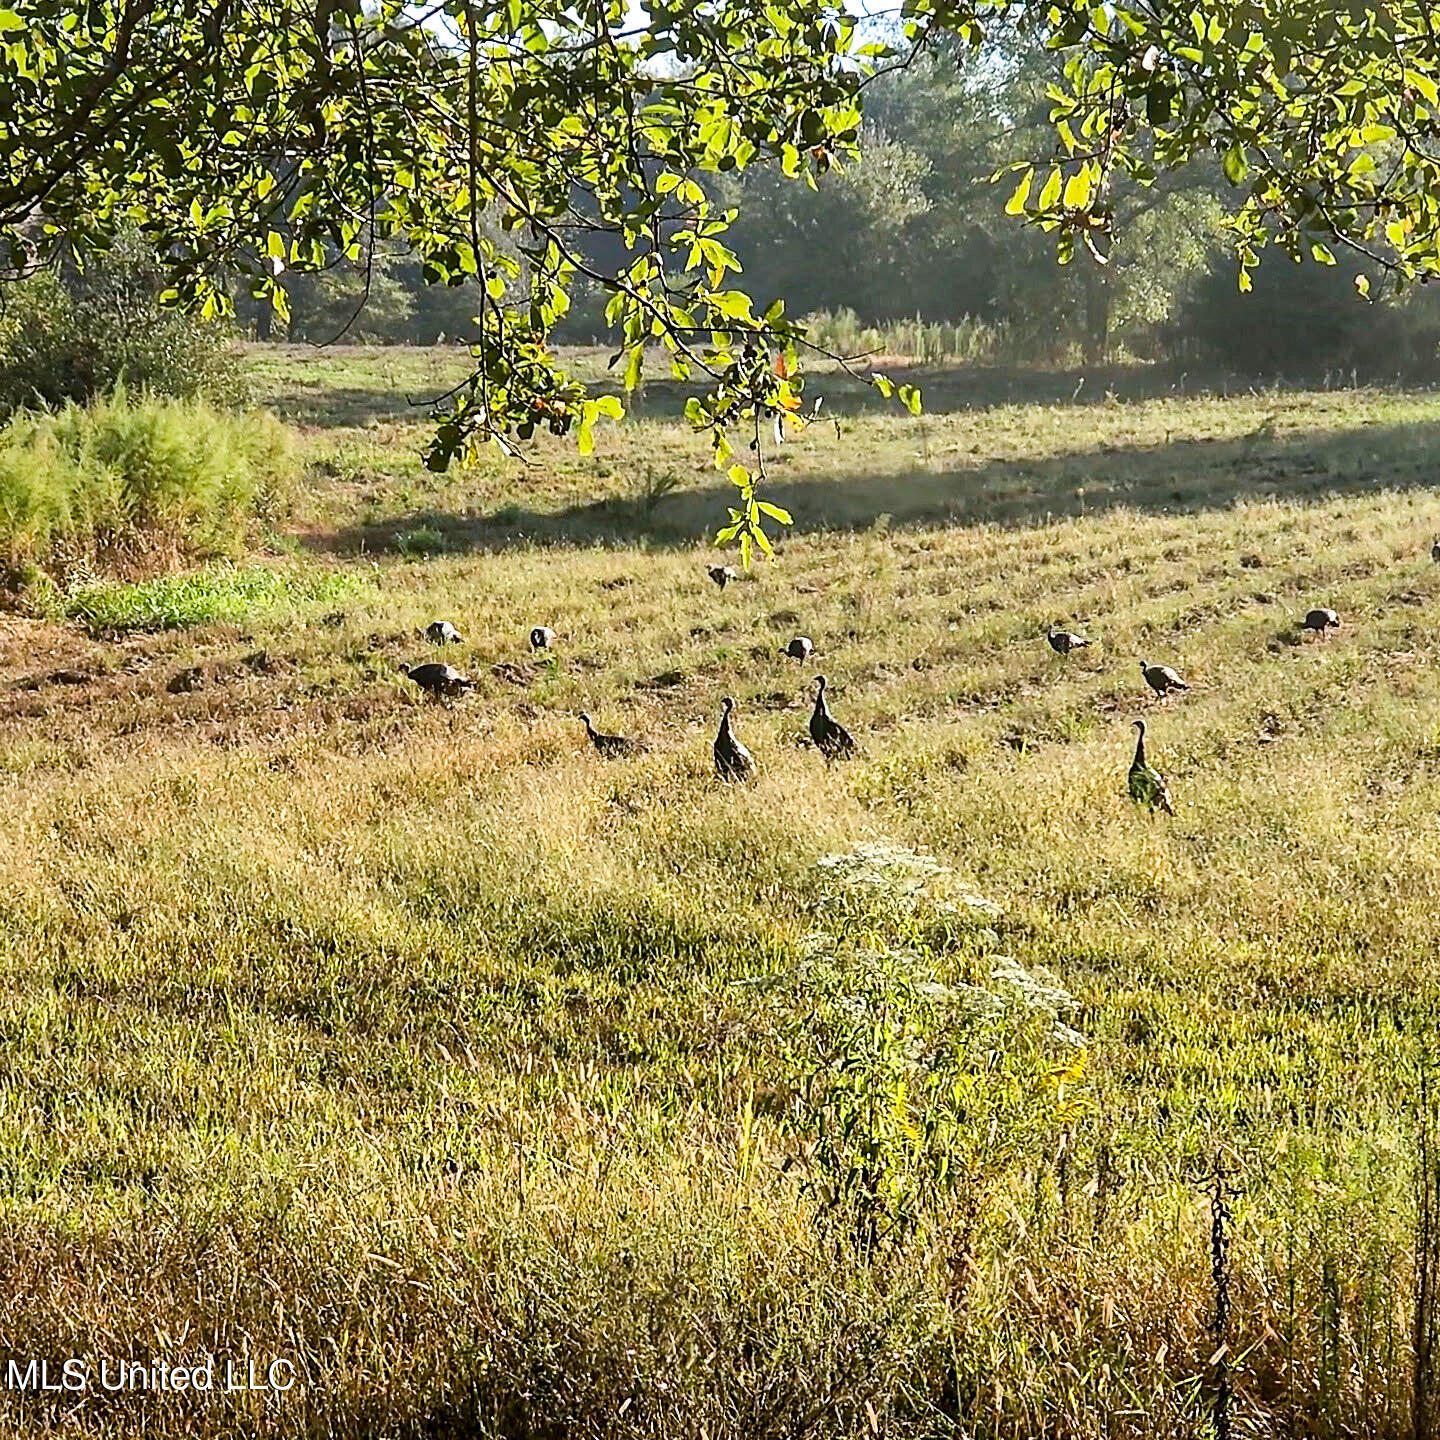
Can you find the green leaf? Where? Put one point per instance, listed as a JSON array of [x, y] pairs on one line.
[[1419, 80], [776, 512], [1235, 163], [1077, 189], [1016, 203], [634, 361]]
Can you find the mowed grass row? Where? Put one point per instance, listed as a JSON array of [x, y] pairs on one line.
[[477, 1075]]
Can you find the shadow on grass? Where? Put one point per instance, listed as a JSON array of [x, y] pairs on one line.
[[1182, 477], [947, 389]]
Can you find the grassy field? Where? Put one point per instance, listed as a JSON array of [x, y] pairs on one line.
[[502, 1090]]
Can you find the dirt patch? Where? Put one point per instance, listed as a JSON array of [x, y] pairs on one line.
[[513, 674], [227, 672]]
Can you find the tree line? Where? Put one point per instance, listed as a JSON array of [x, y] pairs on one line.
[[914, 227]]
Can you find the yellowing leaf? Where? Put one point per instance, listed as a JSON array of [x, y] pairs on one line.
[[1077, 189]]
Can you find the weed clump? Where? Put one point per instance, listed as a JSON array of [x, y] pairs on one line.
[[135, 483]]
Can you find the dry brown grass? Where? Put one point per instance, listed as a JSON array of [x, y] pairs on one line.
[[470, 1072]]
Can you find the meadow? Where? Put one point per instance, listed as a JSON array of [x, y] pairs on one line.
[[503, 1090]]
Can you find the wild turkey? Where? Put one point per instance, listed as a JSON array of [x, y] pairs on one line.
[[1161, 678], [1062, 642], [801, 648], [722, 575], [732, 760], [1147, 785], [542, 637], [830, 736], [1321, 620], [1435, 550], [438, 681], [613, 747], [442, 632]]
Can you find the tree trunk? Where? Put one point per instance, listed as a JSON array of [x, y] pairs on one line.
[[1097, 316]]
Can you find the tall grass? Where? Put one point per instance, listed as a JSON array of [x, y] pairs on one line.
[[966, 341], [136, 480]]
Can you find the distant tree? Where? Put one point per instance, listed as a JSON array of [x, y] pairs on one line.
[[354, 300], [913, 226], [842, 243], [968, 113], [1300, 321]]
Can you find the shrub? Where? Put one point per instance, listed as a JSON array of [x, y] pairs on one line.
[[76, 337], [128, 478], [1300, 321]]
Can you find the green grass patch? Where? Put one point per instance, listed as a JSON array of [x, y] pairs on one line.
[[201, 597]]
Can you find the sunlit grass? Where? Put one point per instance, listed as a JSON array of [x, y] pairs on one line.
[[200, 597]]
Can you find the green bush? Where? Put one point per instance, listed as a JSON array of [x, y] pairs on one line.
[[77, 336], [135, 479], [1301, 321]]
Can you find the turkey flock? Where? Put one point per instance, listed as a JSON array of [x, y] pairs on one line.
[[733, 760]]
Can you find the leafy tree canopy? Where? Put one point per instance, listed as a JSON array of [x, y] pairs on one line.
[[497, 138]]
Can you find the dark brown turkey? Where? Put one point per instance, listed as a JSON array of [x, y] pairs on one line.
[[1161, 678], [440, 682], [732, 760], [613, 747], [831, 738], [1062, 642]]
